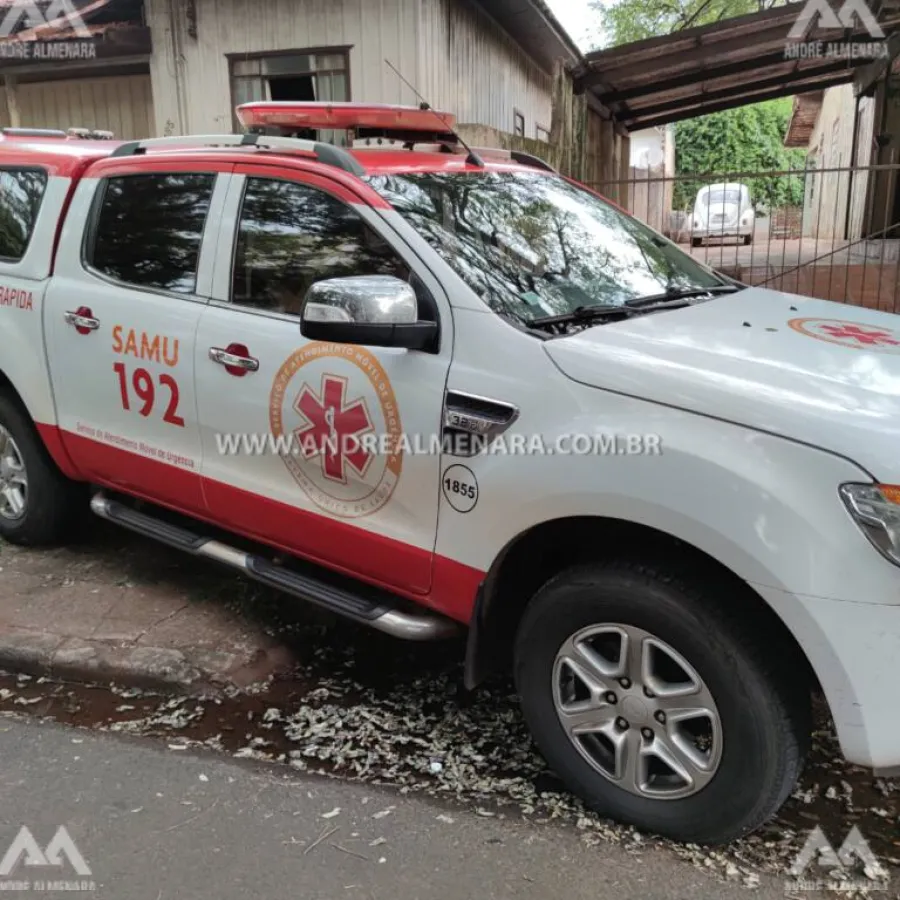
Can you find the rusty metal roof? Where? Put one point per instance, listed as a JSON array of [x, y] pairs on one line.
[[803, 119], [721, 66]]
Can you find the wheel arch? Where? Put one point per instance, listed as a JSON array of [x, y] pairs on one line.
[[49, 434], [533, 557]]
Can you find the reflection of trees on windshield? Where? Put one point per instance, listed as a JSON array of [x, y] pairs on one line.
[[533, 245], [292, 236], [21, 194], [150, 229]]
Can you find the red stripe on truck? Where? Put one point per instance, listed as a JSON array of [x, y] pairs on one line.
[[402, 568]]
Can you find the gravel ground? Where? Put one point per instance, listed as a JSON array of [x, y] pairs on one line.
[[369, 709], [363, 706]]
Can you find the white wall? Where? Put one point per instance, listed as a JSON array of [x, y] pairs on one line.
[[647, 148], [457, 57]]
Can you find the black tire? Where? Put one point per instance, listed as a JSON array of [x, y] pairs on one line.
[[763, 705], [748, 240], [53, 503], [696, 242]]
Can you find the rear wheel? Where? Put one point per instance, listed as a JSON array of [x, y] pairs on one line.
[[696, 242], [655, 708], [38, 503]]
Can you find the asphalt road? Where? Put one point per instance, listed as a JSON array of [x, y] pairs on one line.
[[155, 824]]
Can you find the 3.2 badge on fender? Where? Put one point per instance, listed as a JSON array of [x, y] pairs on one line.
[[338, 405], [460, 488]]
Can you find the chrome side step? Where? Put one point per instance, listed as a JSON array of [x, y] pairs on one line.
[[368, 606]]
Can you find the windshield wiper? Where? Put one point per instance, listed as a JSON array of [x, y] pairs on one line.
[[674, 297], [581, 314]]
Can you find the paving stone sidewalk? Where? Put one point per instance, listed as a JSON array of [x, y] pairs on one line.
[[117, 607]]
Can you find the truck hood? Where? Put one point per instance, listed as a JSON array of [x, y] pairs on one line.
[[810, 370]]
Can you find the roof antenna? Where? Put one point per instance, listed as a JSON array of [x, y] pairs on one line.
[[473, 159]]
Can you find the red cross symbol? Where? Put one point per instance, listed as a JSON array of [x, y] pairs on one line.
[[866, 337], [331, 424]]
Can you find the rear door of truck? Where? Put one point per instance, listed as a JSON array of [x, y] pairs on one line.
[[133, 274], [32, 196]]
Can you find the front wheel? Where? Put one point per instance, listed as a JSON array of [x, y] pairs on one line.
[[655, 708]]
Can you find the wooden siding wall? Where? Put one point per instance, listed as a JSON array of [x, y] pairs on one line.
[[194, 94], [457, 56], [121, 104], [473, 68], [831, 146], [583, 145]]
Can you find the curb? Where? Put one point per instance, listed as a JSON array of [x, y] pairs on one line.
[[148, 668]]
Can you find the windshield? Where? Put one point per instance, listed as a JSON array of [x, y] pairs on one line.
[[723, 197], [533, 245]]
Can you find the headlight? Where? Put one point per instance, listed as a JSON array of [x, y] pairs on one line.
[[876, 509]]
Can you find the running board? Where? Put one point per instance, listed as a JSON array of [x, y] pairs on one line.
[[365, 605]]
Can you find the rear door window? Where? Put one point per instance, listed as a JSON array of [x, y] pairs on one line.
[[21, 194], [149, 229]]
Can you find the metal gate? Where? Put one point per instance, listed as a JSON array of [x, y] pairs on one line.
[[831, 233]]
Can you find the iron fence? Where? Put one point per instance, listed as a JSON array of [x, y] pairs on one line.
[[829, 232]]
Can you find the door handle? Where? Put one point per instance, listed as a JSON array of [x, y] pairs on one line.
[[235, 358], [82, 320]]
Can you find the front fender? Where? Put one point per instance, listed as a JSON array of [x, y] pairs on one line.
[[766, 508]]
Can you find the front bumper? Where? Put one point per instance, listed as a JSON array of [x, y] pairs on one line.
[[730, 231], [854, 649]]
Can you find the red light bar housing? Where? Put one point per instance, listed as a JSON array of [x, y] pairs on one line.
[[361, 119]]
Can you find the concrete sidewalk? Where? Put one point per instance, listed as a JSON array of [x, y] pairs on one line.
[[121, 608]]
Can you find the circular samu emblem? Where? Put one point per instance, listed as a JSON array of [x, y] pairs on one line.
[[333, 406], [849, 334]]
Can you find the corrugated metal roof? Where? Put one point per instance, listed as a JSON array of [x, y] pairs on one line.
[[720, 66]]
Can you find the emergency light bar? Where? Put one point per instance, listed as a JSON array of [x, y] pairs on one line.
[[33, 132], [363, 119], [84, 134]]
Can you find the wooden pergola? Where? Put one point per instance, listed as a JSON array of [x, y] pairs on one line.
[[728, 64]]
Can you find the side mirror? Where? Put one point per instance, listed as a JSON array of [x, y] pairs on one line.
[[369, 310]]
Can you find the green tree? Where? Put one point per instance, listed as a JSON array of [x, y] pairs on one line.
[[634, 20], [747, 139]]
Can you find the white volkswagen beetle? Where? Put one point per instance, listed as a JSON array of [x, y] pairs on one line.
[[723, 211]]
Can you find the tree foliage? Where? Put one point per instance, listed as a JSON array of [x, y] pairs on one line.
[[634, 20], [747, 139]]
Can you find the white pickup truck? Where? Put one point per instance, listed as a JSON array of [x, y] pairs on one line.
[[668, 503]]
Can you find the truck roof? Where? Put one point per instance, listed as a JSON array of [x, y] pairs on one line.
[[383, 139], [70, 157], [61, 157]]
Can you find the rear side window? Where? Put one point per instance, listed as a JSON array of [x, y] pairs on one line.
[[149, 229], [21, 193]]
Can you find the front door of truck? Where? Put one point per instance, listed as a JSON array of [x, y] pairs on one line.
[[277, 409]]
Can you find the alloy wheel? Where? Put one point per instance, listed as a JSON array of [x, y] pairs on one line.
[[637, 711], [13, 478]]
